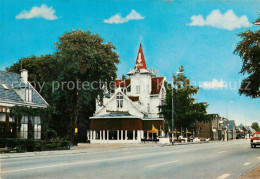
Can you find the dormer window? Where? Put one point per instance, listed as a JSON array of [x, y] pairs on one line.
[[28, 95], [119, 100], [5, 86]]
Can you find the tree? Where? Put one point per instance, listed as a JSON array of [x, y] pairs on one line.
[[80, 57], [249, 50], [255, 126], [186, 110]]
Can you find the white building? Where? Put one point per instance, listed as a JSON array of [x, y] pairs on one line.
[[129, 112]]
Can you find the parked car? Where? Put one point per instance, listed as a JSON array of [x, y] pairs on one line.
[[255, 140]]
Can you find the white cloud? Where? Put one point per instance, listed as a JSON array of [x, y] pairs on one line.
[[118, 19], [44, 12], [213, 84], [228, 20]]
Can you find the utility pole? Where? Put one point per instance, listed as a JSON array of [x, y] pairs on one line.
[[172, 104]]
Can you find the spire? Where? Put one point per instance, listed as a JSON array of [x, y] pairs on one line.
[[140, 61]]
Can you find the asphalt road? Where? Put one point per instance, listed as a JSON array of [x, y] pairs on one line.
[[209, 160]]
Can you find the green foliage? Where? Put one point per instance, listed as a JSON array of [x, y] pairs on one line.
[[19, 145], [255, 126], [249, 50], [30, 145], [80, 56], [49, 134], [19, 111], [186, 110]]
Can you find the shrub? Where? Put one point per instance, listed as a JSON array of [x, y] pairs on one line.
[[19, 145], [2, 143], [30, 145]]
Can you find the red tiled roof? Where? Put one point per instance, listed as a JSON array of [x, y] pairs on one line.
[[156, 85], [140, 61], [134, 98], [122, 83]]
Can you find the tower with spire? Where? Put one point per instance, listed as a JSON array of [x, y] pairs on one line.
[[131, 110]]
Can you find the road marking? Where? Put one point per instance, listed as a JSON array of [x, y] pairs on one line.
[[247, 163], [221, 152], [93, 161], [223, 176], [160, 164]]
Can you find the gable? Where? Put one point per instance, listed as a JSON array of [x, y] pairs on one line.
[[16, 87], [127, 106]]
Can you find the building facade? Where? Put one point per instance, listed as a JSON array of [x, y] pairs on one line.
[[127, 113], [216, 129], [16, 90]]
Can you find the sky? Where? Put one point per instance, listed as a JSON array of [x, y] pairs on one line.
[[199, 34]]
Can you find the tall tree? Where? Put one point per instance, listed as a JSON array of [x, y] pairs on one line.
[[186, 110], [71, 77], [249, 50]]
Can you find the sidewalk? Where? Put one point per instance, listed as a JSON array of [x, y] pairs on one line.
[[81, 148], [253, 174]]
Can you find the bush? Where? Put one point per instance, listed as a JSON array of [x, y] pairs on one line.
[[2, 143], [30, 145], [19, 145]]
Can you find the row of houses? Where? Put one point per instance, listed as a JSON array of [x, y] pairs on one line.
[[221, 128]]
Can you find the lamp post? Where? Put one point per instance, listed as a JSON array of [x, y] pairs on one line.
[[173, 102]]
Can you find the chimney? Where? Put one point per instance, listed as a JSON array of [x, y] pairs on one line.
[[24, 75]]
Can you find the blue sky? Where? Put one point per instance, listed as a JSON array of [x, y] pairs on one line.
[[199, 34]]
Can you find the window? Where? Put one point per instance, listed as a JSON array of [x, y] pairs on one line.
[[119, 100], [2, 117], [11, 119], [24, 131], [37, 127], [37, 131], [138, 89], [28, 95], [5, 86], [24, 127]]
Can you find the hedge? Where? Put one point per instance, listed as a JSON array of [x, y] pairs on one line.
[[30, 145]]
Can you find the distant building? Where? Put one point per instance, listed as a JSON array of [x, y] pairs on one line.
[[127, 113], [219, 128], [16, 90], [209, 130], [232, 130]]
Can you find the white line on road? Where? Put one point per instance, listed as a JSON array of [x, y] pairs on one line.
[[223, 176], [221, 152], [94, 161], [247, 163], [160, 164]]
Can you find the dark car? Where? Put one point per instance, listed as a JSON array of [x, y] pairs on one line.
[[255, 140]]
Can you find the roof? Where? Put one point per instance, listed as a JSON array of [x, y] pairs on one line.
[[134, 98], [115, 115], [14, 83], [140, 60], [156, 82], [122, 83], [156, 85]]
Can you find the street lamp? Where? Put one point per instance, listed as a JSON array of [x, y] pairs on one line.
[[173, 101]]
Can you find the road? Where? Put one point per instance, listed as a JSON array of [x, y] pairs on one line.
[[209, 160]]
